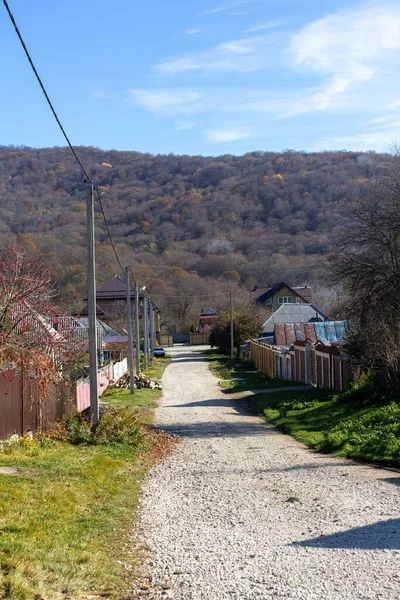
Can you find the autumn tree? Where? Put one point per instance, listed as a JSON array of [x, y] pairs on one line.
[[247, 323], [33, 336]]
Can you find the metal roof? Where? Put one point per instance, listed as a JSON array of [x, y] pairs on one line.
[[329, 331], [304, 292], [209, 313], [293, 313]]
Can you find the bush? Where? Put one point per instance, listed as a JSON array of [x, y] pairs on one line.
[[78, 430], [119, 426], [116, 426]]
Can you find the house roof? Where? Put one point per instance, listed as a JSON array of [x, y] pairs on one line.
[[304, 292], [293, 313], [107, 330], [209, 313], [114, 288], [115, 339], [327, 332]]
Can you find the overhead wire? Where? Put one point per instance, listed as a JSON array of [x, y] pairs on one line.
[[85, 172], [189, 295], [44, 90], [108, 229]]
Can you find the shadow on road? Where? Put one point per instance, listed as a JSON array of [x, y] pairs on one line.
[[212, 429], [384, 535], [393, 480]]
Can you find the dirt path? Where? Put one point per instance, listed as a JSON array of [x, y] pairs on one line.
[[241, 511]]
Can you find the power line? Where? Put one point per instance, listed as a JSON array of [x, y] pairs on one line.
[[189, 295], [44, 90], [88, 178], [108, 229]]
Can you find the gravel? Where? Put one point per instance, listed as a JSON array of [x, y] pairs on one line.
[[242, 511]]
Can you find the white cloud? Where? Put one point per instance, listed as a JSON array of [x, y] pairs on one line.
[[230, 134], [381, 141], [393, 105], [242, 55], [264, 26], [380, 120], [346, 48], [228, 5], [192, 31], [168, 101], [184, 125]]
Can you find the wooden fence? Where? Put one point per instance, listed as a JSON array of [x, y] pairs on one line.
[[311, 363]]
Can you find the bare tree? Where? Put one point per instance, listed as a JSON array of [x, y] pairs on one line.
[[367, 264]]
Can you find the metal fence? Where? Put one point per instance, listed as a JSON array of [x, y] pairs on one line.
[[21, 409], [111, 372], [316, 364]]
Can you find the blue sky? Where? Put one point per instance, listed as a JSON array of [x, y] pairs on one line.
[[204, 77]]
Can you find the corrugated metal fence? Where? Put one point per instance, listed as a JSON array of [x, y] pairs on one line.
[[21, 410], [111, 372], [312, 363]]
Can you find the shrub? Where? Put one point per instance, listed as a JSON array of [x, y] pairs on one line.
[[119, 426], [116, 426]]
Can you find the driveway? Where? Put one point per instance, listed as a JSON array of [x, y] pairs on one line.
[[242, 511]]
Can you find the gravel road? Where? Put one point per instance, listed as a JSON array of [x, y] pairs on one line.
[[241, 511]]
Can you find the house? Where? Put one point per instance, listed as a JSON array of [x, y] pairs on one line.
[[293, 313], [111, 302], [207, 319], [281, 293]]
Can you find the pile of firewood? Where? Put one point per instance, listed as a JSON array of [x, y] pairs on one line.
[[141, 381]]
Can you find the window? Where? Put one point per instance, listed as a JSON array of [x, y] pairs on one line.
[[269, 300], [285, 299], [298, 300]]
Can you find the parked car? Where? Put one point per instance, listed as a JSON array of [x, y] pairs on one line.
[[159, 352]]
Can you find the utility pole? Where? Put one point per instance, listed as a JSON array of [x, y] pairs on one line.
[[130, 341], [231, 325], [146, 334], [94, 396], [137, 333], [152, 330]]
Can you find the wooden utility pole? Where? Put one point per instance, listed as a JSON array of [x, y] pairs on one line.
[[130, 341], [94, 396]]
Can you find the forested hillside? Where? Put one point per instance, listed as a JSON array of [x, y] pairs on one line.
[[253, 219]]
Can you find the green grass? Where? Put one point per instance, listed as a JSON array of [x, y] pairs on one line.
[[242, 377], [357, 424], [65, 519], [343, 424]]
